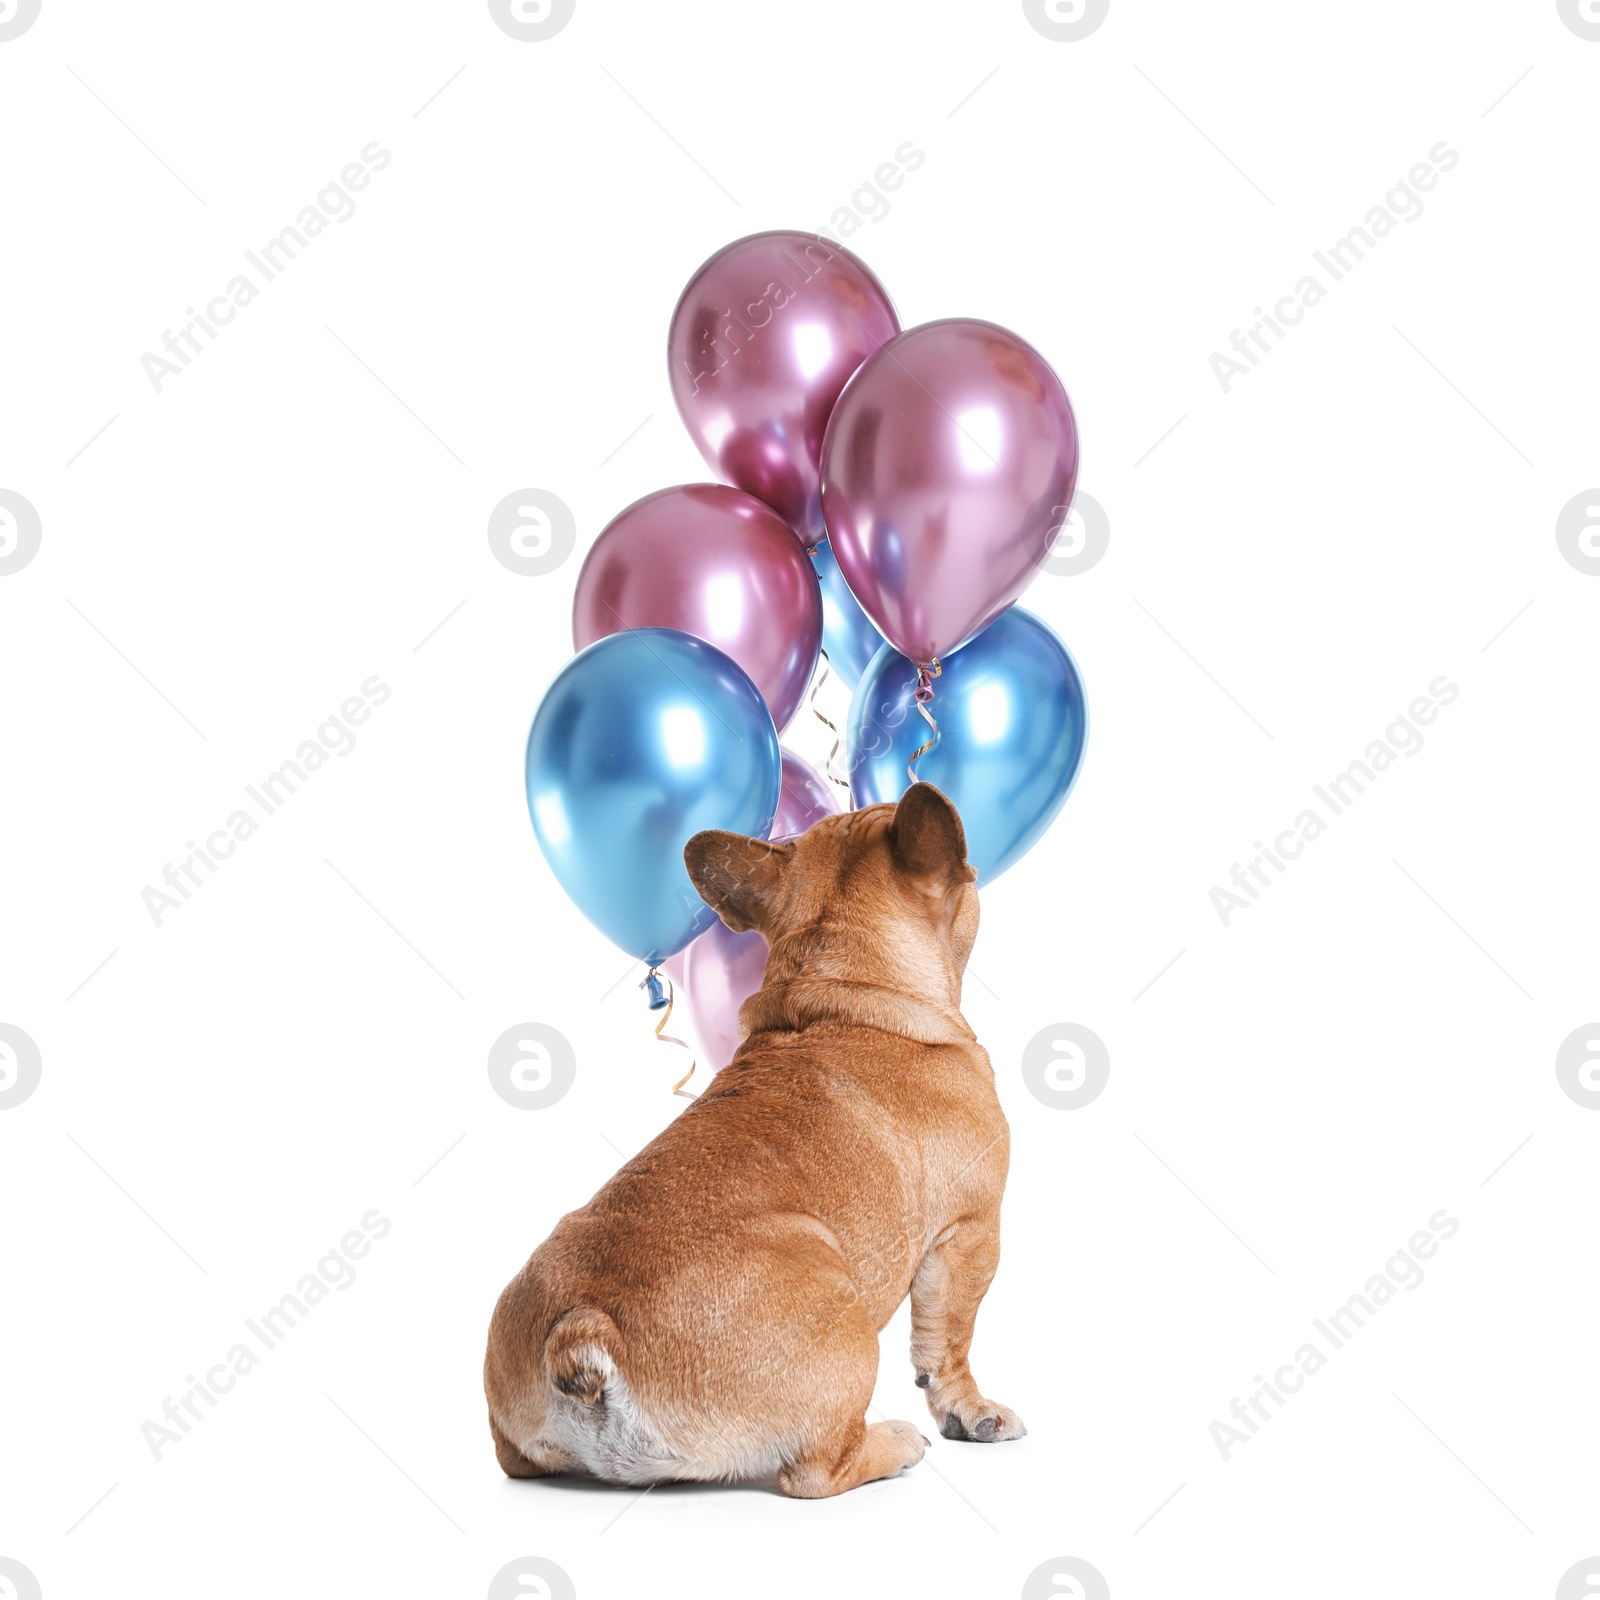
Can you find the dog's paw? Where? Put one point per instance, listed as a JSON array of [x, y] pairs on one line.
[[912, 1443], [982, 1421]]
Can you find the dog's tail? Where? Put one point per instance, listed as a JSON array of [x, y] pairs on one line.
[[581, 1353]]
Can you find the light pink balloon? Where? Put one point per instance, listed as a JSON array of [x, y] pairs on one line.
[[948, 468], [762, 341], [719, 564], [806, 797], [723, 969]]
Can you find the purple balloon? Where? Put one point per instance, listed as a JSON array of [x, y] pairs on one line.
[[723, 969], [717, 563], [762, 341], [948, 468]]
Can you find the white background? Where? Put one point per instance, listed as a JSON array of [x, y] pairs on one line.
[[1289, 1100]]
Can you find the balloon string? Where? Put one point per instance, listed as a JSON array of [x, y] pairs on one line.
[[668, 1038], [816, 689], [922, 694]]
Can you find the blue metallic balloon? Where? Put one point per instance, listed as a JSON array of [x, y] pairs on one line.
[[848, 633], [1011, 728], [644, 739]]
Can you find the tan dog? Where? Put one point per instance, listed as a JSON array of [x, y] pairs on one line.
[[714, 1311]]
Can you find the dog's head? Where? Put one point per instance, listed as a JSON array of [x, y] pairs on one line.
[[882, 896]]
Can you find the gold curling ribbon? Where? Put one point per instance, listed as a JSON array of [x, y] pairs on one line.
[[668, 1038], [816, 688], [922, 694]]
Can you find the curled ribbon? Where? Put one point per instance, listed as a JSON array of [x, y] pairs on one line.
[[651, 983], [922, 694], [816, 688]]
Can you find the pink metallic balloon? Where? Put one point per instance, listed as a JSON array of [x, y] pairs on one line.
[[762, 341], [948, 467], [723, 969], [717, 563]]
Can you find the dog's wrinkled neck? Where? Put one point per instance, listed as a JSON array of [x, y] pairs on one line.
[[794, 1004]]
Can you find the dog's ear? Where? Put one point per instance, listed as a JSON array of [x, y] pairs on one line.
[[735, 875], [929, 841]]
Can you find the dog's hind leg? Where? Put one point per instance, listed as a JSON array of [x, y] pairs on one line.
[[840, 1449], [856, 1453], [950, 1283], [512, 1461]]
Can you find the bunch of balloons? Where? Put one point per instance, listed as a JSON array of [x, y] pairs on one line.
[[888, 497]]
